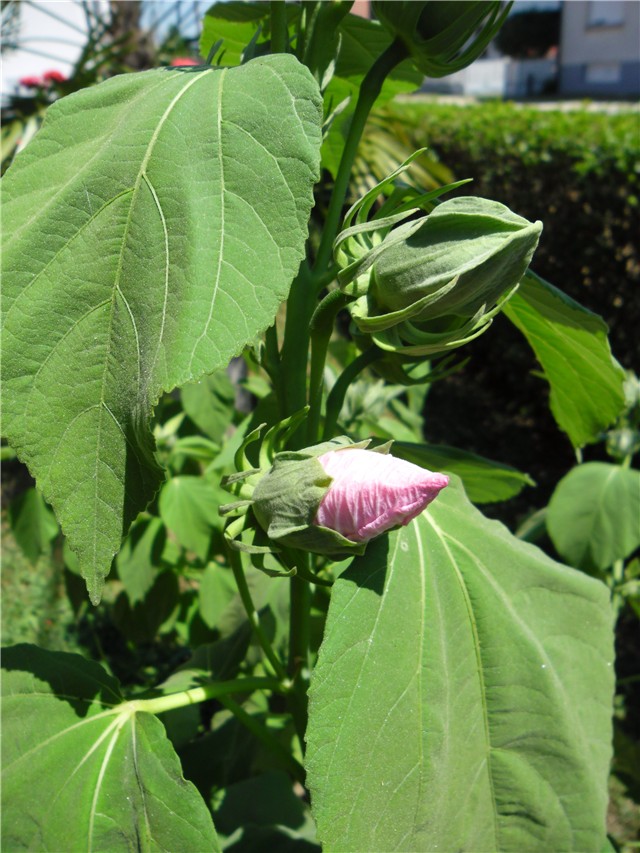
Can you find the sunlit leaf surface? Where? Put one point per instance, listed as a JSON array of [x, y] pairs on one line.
[[83, 770], [152, 228], [462, 696], [585, 381]]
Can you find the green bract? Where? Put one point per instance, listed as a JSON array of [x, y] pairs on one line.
[[442, 37], [286, 500], [430, 285], [284, 495]]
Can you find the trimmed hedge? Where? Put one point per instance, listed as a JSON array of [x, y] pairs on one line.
[[576, 170]]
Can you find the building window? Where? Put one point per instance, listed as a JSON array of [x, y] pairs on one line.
[[605, 13], [603, 72]]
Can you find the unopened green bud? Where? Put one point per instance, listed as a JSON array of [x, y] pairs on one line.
[[442, 36], [461, 258], [433, 284]]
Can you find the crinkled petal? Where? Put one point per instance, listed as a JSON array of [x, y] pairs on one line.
[[371, 492]]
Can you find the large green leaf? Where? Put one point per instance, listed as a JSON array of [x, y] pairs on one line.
[[586, 382], [152, 227], [83, 769], [484, 481], [462, 696], [593, 517]]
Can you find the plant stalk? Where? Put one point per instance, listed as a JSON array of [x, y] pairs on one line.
[[299, 643], [279, 29], [253, 616], [295, 348], [369, 91], [321, 328], [214, 690]]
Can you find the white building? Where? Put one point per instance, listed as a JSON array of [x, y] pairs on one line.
[[600, 48]]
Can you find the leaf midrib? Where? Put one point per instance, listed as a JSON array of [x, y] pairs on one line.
[[116, 289]]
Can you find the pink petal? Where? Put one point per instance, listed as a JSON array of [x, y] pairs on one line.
[[372, 492]]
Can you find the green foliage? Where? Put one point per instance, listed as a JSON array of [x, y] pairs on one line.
[[33, 524], [594, 515], [155, 224], [578, 170], [209, 404], [109, 330], [587, 384], [413, 662], [484, 481], [84, 769], [519, 138], [189, 507]]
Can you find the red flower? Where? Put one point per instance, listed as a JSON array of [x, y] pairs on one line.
[[53, 77], [31, 82], [181, 61]]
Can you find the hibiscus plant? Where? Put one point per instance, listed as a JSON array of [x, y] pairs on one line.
[[215, 364]]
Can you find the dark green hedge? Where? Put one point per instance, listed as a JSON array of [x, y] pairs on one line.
[[576, 170]]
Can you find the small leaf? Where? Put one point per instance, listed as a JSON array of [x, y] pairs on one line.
[[189, 508], [484, 481], [217, 588], [270, 814], [139, 558], [209, 404], [462, 695], [83, 770], [153, 227], [586, 382], [593, 517], [32, 523]]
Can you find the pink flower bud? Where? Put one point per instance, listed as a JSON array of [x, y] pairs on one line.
[[372, 492], [183, 62]]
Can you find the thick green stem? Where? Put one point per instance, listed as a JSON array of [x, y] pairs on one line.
[[369, 91], [339, 390], [263, 734], [279, 29], [321, 329], [253, 616], [272, 356], [295, 348], [299, 642], [299, 628], [214, 690]]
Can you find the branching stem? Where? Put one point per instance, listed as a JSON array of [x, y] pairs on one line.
[[369, 91], [254, 618]]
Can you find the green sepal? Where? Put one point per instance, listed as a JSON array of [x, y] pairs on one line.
[[442, 36], [480, 243], [286, 502]]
